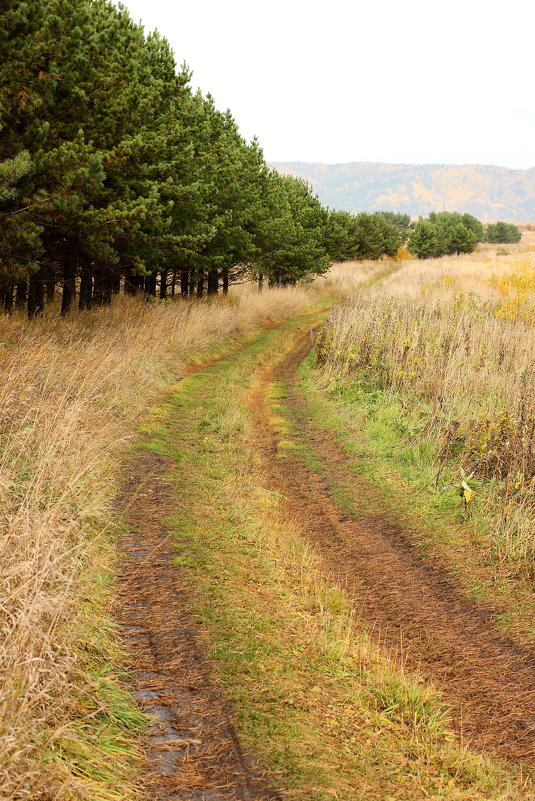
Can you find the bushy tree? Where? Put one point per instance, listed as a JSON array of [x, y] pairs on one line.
[[428, 240], [476, 226], [503, 233], [20, 235], [291, 235], [113, 173], [337, 235], [362, 236], [445, 232], [461, 239]]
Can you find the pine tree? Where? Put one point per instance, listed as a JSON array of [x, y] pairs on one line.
[[461, 239], [291, 235], [503, 233], [428, 240]]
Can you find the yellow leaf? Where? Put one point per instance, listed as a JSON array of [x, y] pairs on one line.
[[467, 494]]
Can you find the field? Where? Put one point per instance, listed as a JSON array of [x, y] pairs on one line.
[[323, 493], [436, 361]]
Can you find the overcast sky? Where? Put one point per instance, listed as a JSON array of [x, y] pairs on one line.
[[400, 81]]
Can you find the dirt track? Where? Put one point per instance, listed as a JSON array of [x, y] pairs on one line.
[[414, 608], [192, 751]]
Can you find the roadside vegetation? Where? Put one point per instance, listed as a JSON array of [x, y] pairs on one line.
[[447, 232], [71, 395], [118, 182], [116, 176], [431, 374], [73, 392]]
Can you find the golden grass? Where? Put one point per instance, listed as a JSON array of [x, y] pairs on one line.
[[71, 392], [453, 341]]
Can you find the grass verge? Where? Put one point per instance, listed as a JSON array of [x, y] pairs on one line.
[[428, 383]]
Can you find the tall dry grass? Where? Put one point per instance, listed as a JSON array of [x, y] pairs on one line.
[[71, 392], [453, 341]]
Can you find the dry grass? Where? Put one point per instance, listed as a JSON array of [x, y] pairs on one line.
[[451, 343], [70, 395]]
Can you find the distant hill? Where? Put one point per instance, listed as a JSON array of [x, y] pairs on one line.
[[490, 193]]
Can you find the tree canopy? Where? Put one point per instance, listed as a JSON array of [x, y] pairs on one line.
[[362, 236]]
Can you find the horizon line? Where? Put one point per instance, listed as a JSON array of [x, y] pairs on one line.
[[399, 164]]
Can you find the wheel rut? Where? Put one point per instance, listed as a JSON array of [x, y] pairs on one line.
[[191, 750], [414, 608]]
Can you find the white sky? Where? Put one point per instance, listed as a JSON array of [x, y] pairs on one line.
[[401, 81]]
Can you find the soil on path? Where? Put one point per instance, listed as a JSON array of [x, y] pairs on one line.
[[192, 752], [413, 607]]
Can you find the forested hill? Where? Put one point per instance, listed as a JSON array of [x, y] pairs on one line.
[[490, 193]]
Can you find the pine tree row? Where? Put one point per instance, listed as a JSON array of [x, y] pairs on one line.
[[115, 175]]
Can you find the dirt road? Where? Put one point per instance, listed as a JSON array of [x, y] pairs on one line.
[[412, 606], [191, 749]]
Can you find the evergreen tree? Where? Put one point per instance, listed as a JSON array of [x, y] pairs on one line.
[[503, 233], [461, 239], [428, 240], [20, 240], [364, 236], [401, 221], [461, 232], [336, 235], [291, 236], [476, 226], [113, 173]]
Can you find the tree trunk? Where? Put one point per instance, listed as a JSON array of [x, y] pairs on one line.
[[103, 287], [36, 293], [184, 283], [163, 285], [225, 280], [130, 282], [86, 289], [69, 286], [187, 283], [200, 285], [260, 282], [213, 282], [173, 282], [115, 281], [150, 286], [21, 294], [8, 300]]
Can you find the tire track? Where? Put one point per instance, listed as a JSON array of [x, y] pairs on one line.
[[191, 749], [415, 609]]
